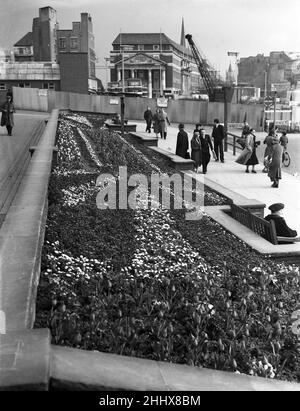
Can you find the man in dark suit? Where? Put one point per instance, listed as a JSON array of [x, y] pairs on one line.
[[282, 229], [218, 135], [148, 118], [182, 144]]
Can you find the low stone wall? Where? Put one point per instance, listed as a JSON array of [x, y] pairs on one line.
[[22, 236]]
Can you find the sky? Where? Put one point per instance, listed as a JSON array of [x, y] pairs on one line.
[[249, 27]]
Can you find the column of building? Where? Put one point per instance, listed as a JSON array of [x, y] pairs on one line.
[[149, 83], [163, 79]]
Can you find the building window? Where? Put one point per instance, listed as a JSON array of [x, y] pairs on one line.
[[140, 46], [128, 47], [74, 42], [48, 86], [2, 86], [62, 43], [24, 85], [155, 47]]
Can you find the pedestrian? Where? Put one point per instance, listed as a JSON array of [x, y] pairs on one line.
[[206, 146], [182, 144], [148, 118], [156, 122], [275, 163], [246, 154], [241, 140], [198, 127], [218, 135], [196, 154], [268, 151], [163, 117], [251, 143], [7, 118], [282, 229], [10, 93]]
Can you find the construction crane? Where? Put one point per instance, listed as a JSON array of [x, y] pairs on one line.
[[216, 89]]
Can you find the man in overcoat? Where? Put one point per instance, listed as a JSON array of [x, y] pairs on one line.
[[148, 118], [218, 135], [282, 229], [182, 145]]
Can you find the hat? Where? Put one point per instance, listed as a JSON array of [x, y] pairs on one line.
[[276, 207], [181, 125]]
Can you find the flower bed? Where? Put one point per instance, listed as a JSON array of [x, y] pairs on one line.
[[148, 283]]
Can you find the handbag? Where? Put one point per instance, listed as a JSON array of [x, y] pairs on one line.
[[241, 142], [214, 154], [244, 156], [187, 155]]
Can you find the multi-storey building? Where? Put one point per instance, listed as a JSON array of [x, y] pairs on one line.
[[280, 71], [51, 58], [77, 57], [157, 61]]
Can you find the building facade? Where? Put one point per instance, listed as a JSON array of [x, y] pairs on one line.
[[279, 71], [52, 58], [157, 61], [77, 57]]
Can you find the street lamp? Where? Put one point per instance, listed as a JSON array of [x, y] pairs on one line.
[[123, 70]]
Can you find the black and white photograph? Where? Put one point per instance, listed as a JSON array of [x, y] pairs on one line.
[[149, 199]]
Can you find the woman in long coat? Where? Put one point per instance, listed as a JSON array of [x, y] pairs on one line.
[[196, 150], [156, 122], [163, 123], [248, 155], [206, 146], [250, 142], [268, 150], [7, 118], [275, 164]]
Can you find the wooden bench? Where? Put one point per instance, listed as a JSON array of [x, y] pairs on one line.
[[260, 226]]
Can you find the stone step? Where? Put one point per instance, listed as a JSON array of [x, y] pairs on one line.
[[177, 162], [145, 139]]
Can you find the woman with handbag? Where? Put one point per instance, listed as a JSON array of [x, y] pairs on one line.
[[206, 147], [251, 142], [248, 155], [196, 150]]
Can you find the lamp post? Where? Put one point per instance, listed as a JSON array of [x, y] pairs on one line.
[[275, 94], [225, 90], [122, 113]]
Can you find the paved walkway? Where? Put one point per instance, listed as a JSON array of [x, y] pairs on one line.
[[11, 146], [253, 186]]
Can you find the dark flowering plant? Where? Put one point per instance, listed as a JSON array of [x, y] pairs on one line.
[[148, 283]]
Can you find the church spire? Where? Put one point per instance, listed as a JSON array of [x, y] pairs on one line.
[[182, 37]]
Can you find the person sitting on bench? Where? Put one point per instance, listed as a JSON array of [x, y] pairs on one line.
[[282, 229]]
